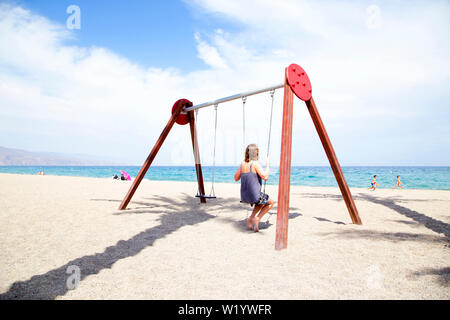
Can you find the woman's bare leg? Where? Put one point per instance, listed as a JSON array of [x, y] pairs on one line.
[[250, 220], [264, 210]]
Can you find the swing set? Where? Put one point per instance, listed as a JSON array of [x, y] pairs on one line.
[[297, 82]]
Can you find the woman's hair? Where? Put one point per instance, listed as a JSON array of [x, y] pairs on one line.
[[251, 152]]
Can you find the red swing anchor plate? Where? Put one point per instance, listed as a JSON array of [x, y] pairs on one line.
[[182, 118], [299, 82]]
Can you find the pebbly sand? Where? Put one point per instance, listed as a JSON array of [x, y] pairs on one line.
[[168, 246]]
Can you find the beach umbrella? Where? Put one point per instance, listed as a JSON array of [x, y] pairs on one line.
[[126, 175]]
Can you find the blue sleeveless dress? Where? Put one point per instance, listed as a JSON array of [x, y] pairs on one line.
[[251, 188]]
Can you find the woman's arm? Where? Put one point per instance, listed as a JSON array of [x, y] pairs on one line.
[[259, 170], [237, 175]]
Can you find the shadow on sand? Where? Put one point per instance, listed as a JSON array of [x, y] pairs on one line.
[[442, 273], [267, 221], [53, 283], [392, 203], [386, 236], [179, 212]]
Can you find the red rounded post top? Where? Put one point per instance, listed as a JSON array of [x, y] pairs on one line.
[[182, 118], [299, 82]]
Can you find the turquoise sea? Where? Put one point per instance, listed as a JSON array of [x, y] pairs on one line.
[[358, 177]]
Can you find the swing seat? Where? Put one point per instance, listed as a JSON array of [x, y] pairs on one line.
[[205, 196]]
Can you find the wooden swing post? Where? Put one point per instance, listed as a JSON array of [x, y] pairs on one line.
[[332, 158], [285, 168], [198, 166], [176, 117], [297, 81]]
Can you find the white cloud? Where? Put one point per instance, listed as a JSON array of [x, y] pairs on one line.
[[209, 54], [370, 84], [90, 96]]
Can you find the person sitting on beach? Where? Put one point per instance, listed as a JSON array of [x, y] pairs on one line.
[[250, 172], [115, 177], [374, 183], [122, 177], [398, 184]]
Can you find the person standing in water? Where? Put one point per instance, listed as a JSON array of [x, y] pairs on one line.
[[374, 183], [251, 173], [398, 184]]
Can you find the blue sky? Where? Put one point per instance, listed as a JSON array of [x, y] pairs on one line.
[[149, 33], [379, 70]]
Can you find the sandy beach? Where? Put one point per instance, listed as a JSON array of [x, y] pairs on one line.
[[168, 246]]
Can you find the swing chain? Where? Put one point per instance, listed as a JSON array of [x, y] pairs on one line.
[[272, 92], [212, 193], [195, 133], [244, 100]]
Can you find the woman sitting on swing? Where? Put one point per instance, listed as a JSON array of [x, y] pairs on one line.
[[250, 172]]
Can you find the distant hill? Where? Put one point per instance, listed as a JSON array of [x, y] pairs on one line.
[[17, 157]]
